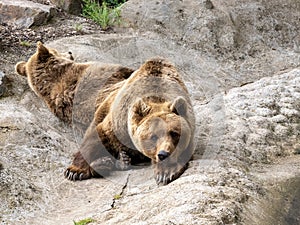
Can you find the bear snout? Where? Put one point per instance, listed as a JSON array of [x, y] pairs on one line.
[[163, 155]]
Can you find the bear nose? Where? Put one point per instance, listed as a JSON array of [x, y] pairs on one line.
[[71, 56], [163, 155]]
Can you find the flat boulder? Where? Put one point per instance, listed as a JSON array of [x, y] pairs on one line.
[[24, 14]]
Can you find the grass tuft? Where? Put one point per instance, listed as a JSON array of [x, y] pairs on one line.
[[117, 196], [84, 221], [106, 15], [25, 43]]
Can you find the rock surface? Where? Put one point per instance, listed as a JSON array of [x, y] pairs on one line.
[[221, 28], [282, 183], [5, 85], [244, 82], [24, 14], [70, 6]]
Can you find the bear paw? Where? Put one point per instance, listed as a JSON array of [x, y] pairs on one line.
[[166, 173], [102, 166], [75, 173], [124, 161]]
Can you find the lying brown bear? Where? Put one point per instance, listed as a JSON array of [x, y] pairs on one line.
[[138, 115]]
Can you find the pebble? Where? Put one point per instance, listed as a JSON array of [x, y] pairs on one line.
[[3, 88]]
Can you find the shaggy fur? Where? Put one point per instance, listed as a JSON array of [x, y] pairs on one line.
[[127, 116], [136, 119]]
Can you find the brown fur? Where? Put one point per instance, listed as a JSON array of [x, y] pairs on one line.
[[128, 116], [53, 77], [130, 113]]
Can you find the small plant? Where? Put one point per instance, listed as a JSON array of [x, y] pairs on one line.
[[78, 28], [25, 43], [117, 196], [116, 15], [84, 221], [105, 15]]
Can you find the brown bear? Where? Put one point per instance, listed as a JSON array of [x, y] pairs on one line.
[[149, 114], [136, 117], [55, 78]]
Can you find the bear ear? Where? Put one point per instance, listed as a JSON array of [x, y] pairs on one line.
[[179, 106], [21, 68], [140, 110], [43, 52]]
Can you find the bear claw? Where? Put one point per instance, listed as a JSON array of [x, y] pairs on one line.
[[166, 174], [73, 176], [124, 161], [164, 179], [70, 174]]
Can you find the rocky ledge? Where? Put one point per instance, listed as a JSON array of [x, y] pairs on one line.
[[240, 61], [24, 14]]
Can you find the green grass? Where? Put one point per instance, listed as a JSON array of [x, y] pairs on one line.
[[78, 28], [25, 43], [84, 221], [106, 15]]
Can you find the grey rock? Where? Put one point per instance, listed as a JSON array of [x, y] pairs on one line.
[[4, 85], [192, 23], [283, 197], [208, 4], [268, 115], [1, 44], [229, 25], [70, 6], [1, 83], [24, 14], [247, 112]]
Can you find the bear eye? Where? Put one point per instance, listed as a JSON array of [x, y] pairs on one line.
[[153, 137], [174, 134]]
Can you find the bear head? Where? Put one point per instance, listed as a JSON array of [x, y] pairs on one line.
[[41, 57], [160, 129], [50, 75]]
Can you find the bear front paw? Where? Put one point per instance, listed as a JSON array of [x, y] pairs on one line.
[[102, 166], [74, 173], [166, 173], [124, 161]]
